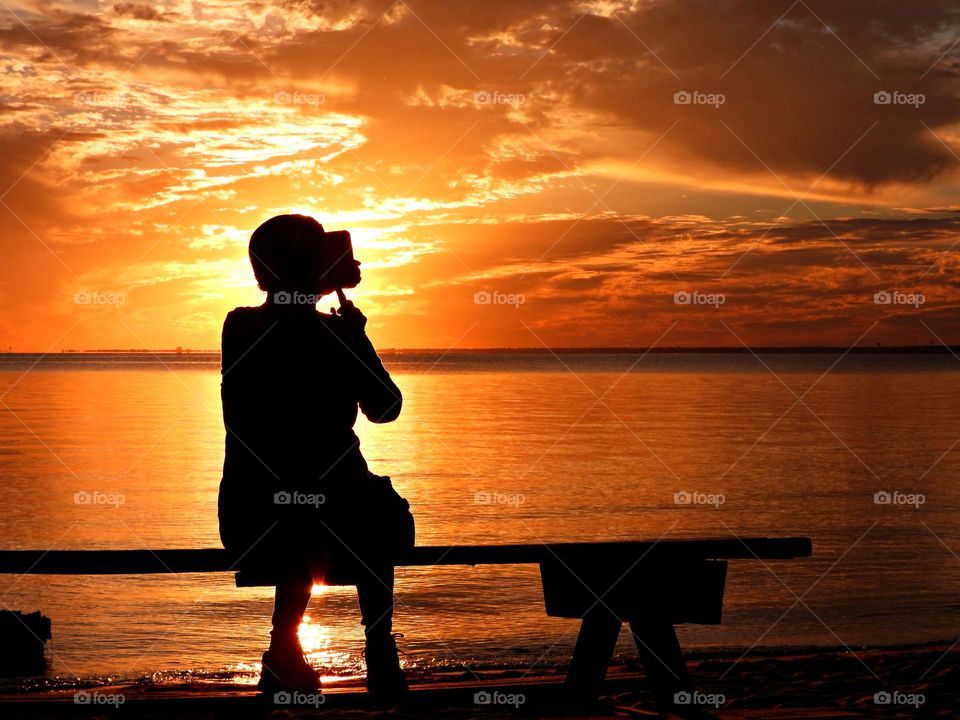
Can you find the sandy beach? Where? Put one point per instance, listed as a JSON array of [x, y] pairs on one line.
[[917, 681]]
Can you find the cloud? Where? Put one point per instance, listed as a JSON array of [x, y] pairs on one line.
[[142, 11], [535, 147]]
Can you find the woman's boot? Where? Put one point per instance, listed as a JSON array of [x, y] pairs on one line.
[[385, 679]]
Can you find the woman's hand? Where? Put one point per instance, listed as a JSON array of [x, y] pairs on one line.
[[353, 319]]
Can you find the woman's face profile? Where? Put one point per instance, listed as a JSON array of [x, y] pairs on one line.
[[345, 274], [351, 274]]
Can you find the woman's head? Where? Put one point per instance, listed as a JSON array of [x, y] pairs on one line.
[[289, 253]]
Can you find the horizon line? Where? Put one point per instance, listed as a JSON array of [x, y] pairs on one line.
[[609, 349]]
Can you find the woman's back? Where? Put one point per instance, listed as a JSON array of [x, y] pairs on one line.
[[292, 381]]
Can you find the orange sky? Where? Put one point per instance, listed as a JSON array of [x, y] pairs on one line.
[[531, 149]]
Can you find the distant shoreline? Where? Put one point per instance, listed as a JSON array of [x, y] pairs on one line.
[[730, 350]]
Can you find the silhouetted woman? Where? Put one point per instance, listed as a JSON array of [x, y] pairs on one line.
[[296, 495]]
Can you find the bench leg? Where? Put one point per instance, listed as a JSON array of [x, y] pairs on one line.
[[592, 654], [663, 661]]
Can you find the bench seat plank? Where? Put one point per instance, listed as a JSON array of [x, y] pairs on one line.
[[137, 562]]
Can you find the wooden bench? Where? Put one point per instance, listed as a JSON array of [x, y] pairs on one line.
[[652, 586]]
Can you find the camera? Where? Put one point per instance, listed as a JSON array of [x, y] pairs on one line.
[[338, 267]]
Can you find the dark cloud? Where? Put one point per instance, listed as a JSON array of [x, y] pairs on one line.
[[142, 11], [799, 92]]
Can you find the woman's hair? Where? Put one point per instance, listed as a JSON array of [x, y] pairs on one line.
[[286, 253]]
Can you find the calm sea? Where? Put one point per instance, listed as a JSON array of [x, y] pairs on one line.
[[504, 448]]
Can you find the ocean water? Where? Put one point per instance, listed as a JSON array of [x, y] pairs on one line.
[[503, 448]]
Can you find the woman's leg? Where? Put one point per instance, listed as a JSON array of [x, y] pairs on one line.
[[375, 595], [385, 679], [289, 605], [284, 666]]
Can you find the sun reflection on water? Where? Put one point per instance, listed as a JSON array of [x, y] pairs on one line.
[[314, 638], [246, 673], [317, 641]]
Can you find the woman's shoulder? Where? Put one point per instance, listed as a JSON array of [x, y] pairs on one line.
[[244, 314], [243, 319], [243, 310], [249, 319]]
